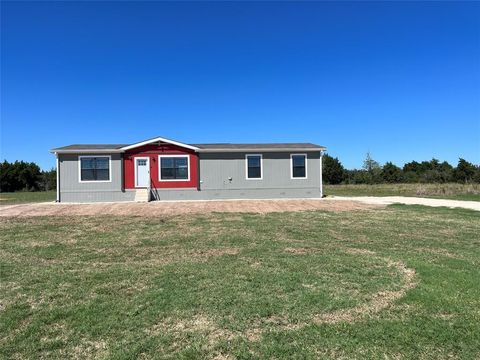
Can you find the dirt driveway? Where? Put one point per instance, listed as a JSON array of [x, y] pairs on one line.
[[157, 208]]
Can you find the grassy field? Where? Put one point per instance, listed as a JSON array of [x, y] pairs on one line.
[[7, 198], [400, 282], [444, 191]]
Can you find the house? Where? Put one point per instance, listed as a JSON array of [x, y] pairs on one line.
[[163, 169]]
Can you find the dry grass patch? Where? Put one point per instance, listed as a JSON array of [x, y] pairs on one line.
[[299, 251], [380, 300]]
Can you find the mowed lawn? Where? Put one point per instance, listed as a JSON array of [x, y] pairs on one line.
[[20, 197], [399, 282]]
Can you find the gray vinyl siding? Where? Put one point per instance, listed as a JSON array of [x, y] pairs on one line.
[[216, 168], [276, 183], [72, 190]]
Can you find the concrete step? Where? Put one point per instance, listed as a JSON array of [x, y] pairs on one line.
[[142, 195]]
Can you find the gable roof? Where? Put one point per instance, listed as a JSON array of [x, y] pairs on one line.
[[157, 139], [215, 147]]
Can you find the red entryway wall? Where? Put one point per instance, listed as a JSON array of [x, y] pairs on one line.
[[152, 151]]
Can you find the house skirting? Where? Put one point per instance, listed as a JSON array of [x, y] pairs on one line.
[[97, 196], [190, 194], [225, 194]]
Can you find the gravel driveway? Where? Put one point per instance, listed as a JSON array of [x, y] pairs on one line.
[[387, 200]]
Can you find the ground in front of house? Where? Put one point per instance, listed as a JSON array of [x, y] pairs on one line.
[[389, 282]]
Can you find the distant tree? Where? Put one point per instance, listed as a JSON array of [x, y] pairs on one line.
[[19, 175], [333, 170], [446, 171], [391, 173], [8, 179], [465, 171], [357, 176], [373, 170], [436, 172], [48, 180], [428, 171], [412, 166], [476, 177]]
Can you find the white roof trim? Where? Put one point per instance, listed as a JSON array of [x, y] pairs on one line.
[[146, 142]]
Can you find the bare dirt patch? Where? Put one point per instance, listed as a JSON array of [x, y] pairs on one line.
[[197, 324], [158, 208]]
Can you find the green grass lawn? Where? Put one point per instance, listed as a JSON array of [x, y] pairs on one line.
[[445, 191], [8, 198], [400, 282]]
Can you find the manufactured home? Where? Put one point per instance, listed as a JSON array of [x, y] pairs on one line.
[[163, 169]]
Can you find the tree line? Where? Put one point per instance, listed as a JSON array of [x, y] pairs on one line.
[[372, 172], [25, 176]]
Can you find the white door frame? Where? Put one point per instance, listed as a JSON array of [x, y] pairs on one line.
[[135, 169]]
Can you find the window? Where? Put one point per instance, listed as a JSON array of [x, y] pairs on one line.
[[174, 167], [94, 168], [299, 166], [254, 166]]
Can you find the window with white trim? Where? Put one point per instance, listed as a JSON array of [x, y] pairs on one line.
[[299, 166], [174, 167], [95, 168], [254, 166]]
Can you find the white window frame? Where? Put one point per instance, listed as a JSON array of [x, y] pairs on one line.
[[94, 181], [246, 166], [173, 156], [135, 170], [291, 167]]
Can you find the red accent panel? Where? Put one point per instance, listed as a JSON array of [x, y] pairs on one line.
[[152, 151]]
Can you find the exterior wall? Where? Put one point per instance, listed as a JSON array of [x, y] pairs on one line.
[[276, 182], [216, 169], [153, 152], [209, 177], [72, 190]]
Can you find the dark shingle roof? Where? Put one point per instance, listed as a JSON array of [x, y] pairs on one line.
[[91, 147], [229, 146]]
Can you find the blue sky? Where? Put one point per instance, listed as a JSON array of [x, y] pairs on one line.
[[401, 80]]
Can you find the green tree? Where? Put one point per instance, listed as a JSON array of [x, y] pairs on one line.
[[19, 175], [373, 170], [48, 180], [333, 170], [391, 173], [465, 171]]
